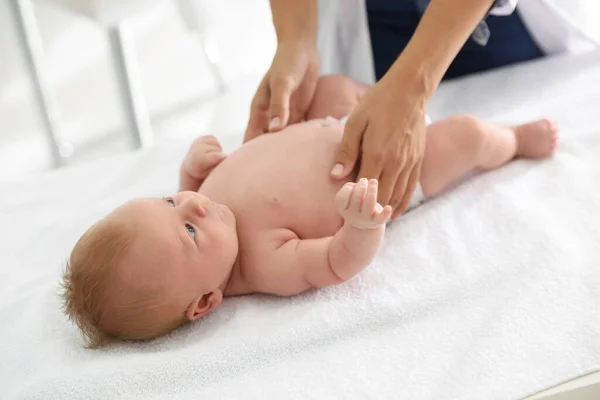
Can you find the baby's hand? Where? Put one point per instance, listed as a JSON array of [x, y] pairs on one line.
[[357, 203], [204, 155]]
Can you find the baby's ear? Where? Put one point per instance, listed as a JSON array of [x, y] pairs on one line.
[[204, 304]]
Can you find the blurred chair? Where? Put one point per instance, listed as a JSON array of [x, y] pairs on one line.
[[116, 17]]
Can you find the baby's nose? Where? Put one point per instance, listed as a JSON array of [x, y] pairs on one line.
[[193, 207]]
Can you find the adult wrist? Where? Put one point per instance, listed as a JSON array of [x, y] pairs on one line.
[[295, 22], [297, 42], [411, 79]]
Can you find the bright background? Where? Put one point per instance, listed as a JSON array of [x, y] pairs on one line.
[[179, 88]]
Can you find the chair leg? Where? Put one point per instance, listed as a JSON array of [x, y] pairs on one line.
[[31, 43], [130, 85]]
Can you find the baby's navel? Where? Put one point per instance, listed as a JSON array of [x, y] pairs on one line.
[[272, 200]]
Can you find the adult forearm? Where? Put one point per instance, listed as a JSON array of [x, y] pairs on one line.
[[445, 27], [295, 20], [352, 249]]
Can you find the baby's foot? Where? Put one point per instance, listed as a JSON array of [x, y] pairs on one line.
[[537, 139]]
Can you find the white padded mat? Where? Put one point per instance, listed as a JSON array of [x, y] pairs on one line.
[[491, 291]]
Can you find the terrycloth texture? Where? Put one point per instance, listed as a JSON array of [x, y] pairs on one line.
[[491, 291]]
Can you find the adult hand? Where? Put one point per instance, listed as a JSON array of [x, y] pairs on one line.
[[286, 91], [388, 127]]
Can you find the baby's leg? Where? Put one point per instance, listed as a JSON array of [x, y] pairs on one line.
[[335, 96], [459, 144]]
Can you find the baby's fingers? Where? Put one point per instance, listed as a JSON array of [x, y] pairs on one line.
[[342, 199], [359, 194], [199, 165], [382, 215], [368, 207], [212, 159], [208, 140]]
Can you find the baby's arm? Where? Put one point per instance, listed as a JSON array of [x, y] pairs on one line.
[[301, 264], [204, 155]]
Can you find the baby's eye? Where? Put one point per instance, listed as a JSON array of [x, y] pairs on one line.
[[190, 230], [170, 201]]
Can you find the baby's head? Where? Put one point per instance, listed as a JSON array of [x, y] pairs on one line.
[[150, 266]]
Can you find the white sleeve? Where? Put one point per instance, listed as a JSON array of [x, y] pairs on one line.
[[503, 7]]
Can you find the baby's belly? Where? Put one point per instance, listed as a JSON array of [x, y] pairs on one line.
[[295, 196], [310, 214], [283, 181]]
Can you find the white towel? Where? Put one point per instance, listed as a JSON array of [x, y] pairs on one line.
[[491, 291]]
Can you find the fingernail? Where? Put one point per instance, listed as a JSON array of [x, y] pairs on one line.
[[337, 170], [378, 207], [275, 122], [363, 181]]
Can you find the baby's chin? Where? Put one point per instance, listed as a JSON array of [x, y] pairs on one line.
[[227, 214]]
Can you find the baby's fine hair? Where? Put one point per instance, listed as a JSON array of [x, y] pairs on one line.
[[85, 282], [99, 297]]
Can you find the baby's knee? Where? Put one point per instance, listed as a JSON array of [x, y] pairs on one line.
[[470, 131], [335, 96], [467, 122]]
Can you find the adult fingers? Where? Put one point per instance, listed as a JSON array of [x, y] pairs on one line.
[[404, 190], [389, 168], [258, 122], [346, 156], [279, 106]]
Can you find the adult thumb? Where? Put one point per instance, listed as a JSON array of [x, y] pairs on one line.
[[347, 155], [279, 107]]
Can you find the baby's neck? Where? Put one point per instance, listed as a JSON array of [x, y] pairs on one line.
[[236, 284]]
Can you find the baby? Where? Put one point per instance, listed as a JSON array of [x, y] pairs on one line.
[[267, 218]]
